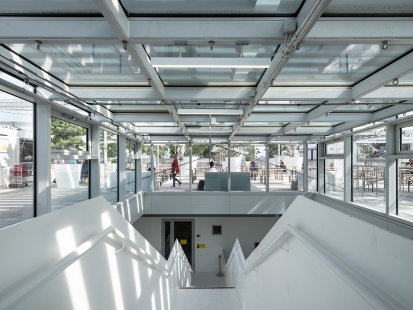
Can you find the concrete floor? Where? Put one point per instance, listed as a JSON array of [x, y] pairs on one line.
[[207, 299], [206, 279]]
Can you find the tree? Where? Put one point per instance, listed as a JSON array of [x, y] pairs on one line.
[[67, 136]]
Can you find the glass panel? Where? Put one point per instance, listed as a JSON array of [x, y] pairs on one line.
[[67, 136], [367, 7], [49, 6], [226, 7], [200, 162], [405, 195], [87, 64], [109, 166], [16, 160], [406, 137], [334, 178], [15, 81], [312, 167], [210, 76], [361, 108], [248, 159], [336, 64], [335, 148], [369, 166], [219, 51], [70, 182], [130, 168], [286, 167], [279, 108]]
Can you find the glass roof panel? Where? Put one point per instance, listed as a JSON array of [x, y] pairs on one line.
[[280, 108], [336, 65], [219, 51], [264, 124], [137, 108], [369, 7], [214, 7], [87, 64], [407, 80], [360, 108], [49, 6], [289, 102], [321, 124], [210, 76]]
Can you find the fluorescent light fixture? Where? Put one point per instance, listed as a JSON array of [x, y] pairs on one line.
[[209, 112], [198, 62]]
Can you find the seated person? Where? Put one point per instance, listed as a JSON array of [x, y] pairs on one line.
[[409, 163], [211, 168], [282, 165]]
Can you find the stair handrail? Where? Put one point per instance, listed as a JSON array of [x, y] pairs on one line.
[[36, 279], [362, 289]]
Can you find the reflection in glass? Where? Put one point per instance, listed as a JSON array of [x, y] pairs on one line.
[[335, 148], [70, 182], [369, 167], [334, 178], [337, 64], [109, 165], [210, 76], [406, 136], [405, 195], [85, 63], [130, 168], [16, 160]]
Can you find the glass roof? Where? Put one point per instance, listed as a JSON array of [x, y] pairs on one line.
[[49, 6], [369, 7], [210, 76], [280, 108], [87, 64], [336, 65], [360, 108], [219, 51], [214, 7], [321, 124], [407, 80], [289, 102]]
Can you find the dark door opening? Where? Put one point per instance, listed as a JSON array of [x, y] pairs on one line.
[[183, 233]]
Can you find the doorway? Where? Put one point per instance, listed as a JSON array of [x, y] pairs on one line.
[[181, 230]]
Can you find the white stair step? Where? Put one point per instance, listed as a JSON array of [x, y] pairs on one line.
[[207, 299]]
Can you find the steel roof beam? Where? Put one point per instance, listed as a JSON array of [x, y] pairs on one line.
[[383, 77]]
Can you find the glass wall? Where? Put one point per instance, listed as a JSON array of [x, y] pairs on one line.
[[69, 175], [109, 165], [130, 168], [312, 167], [369, 167], [286, 167], [334, 178], [16, 160], [404, 188]]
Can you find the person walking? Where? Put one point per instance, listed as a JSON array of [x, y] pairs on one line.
[[175, 170]]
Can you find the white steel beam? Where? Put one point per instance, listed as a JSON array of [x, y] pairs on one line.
[[202, 62], [331, 94], [347, 126], [309, 13], [159, 130], [392, 111], [397, 69], [391, 93], [356, 30], [158, 30]]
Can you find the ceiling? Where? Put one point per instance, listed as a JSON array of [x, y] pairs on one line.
[[231, 70]]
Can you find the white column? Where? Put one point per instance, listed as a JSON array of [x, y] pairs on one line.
[[229, 167], [305, 166], [267, 167], [138, 169], [320, 167], [190, 167], [94, 163], [348, 169], [152, 188], [42, 159], [121, 168], [391, 171]]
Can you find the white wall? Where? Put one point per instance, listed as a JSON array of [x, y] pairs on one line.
[[247, 229], [218, 202], [295, 278], [99, 279]]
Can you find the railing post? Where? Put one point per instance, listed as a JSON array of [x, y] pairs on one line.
[[219, 274]]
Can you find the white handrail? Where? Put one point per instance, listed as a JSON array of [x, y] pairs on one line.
[[38, 278], [362, 289]]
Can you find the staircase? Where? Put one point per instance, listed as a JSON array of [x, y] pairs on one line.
[[207, 298]]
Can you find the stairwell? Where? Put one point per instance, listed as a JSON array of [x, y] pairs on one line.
[[206, 298]]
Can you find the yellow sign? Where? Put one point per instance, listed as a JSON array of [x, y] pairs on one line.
[[202, 245], [183, 241]]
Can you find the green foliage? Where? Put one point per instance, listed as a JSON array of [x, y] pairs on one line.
[[67, 136], [111, 147]]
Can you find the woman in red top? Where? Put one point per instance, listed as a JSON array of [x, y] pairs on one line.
[[175, 171]]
